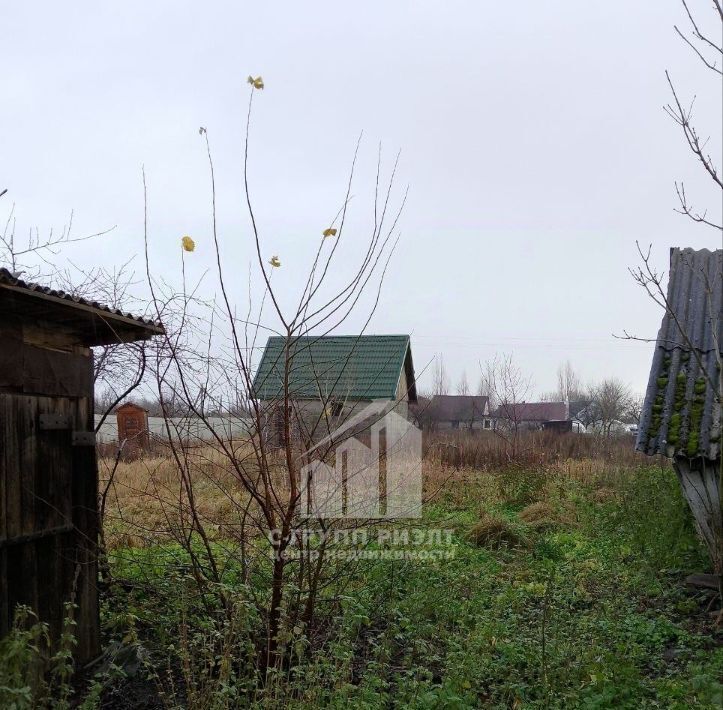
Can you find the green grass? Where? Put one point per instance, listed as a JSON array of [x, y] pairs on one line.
[[589, 615], [594, 617], [590, 612]]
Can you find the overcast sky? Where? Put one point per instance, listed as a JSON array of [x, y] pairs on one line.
[[532, 139]]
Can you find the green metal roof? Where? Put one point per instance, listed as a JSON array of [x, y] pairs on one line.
[[336, 366]]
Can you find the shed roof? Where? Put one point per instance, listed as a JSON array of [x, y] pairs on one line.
[[680, 415], [91, 322], [458, 407], [345, 367], [131, 405], [533, 411]]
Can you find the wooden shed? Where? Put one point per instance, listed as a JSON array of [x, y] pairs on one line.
[[48, 474], [681, 417], [132, 422]]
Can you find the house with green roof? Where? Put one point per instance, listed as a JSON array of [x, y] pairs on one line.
[[332, 377]]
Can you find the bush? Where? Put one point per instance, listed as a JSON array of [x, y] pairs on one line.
[[31, 676]]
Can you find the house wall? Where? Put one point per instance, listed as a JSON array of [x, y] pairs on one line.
[[478, 424], [523, 425], [309, 417], [402, 406]]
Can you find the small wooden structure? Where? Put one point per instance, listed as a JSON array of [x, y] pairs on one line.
[[132, 423], [681, 416], [48, 475]]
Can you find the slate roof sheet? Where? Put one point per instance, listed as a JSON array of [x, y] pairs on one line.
[[98, 324], [460, 407], [533, 411], [681, 415]]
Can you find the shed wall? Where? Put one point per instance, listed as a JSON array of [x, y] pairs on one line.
[[48, 500], [699, 481]]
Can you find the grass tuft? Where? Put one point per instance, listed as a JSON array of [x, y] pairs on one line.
[[493, 531]]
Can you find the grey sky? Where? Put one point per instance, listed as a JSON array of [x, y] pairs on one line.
[[532, 136]]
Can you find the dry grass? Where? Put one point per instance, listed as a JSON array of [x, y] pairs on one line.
[[548, 515], [605, 495], [494, 531], [486, 450], [148, 499]]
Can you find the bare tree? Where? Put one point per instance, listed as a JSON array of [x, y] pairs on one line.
[[569, 387], [610, 402], [508, 388], [635, 409], [463, 384], [441, 379], [709, 49], [118, 370], [707, 46], [34, 256], [281, 431], [483, 388]]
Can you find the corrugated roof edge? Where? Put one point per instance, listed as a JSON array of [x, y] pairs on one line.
[[680, 416], [9, 279]]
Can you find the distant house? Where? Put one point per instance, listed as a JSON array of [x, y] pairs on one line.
[[420, 412], [533, 415], [681, 416], [331, 378], [460, 412]]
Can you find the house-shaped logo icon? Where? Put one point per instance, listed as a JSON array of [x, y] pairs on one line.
[[383, 480]]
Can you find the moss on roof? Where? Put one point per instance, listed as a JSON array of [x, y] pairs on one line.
[[681, 413]]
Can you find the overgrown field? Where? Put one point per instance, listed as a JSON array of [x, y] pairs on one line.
[[563, 587]]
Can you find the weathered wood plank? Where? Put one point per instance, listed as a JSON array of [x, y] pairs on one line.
[[704, 581], [700, 489], [4, 460], [11, 462], [47, 485], [85, 517], [4, 606], [35, 370]]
